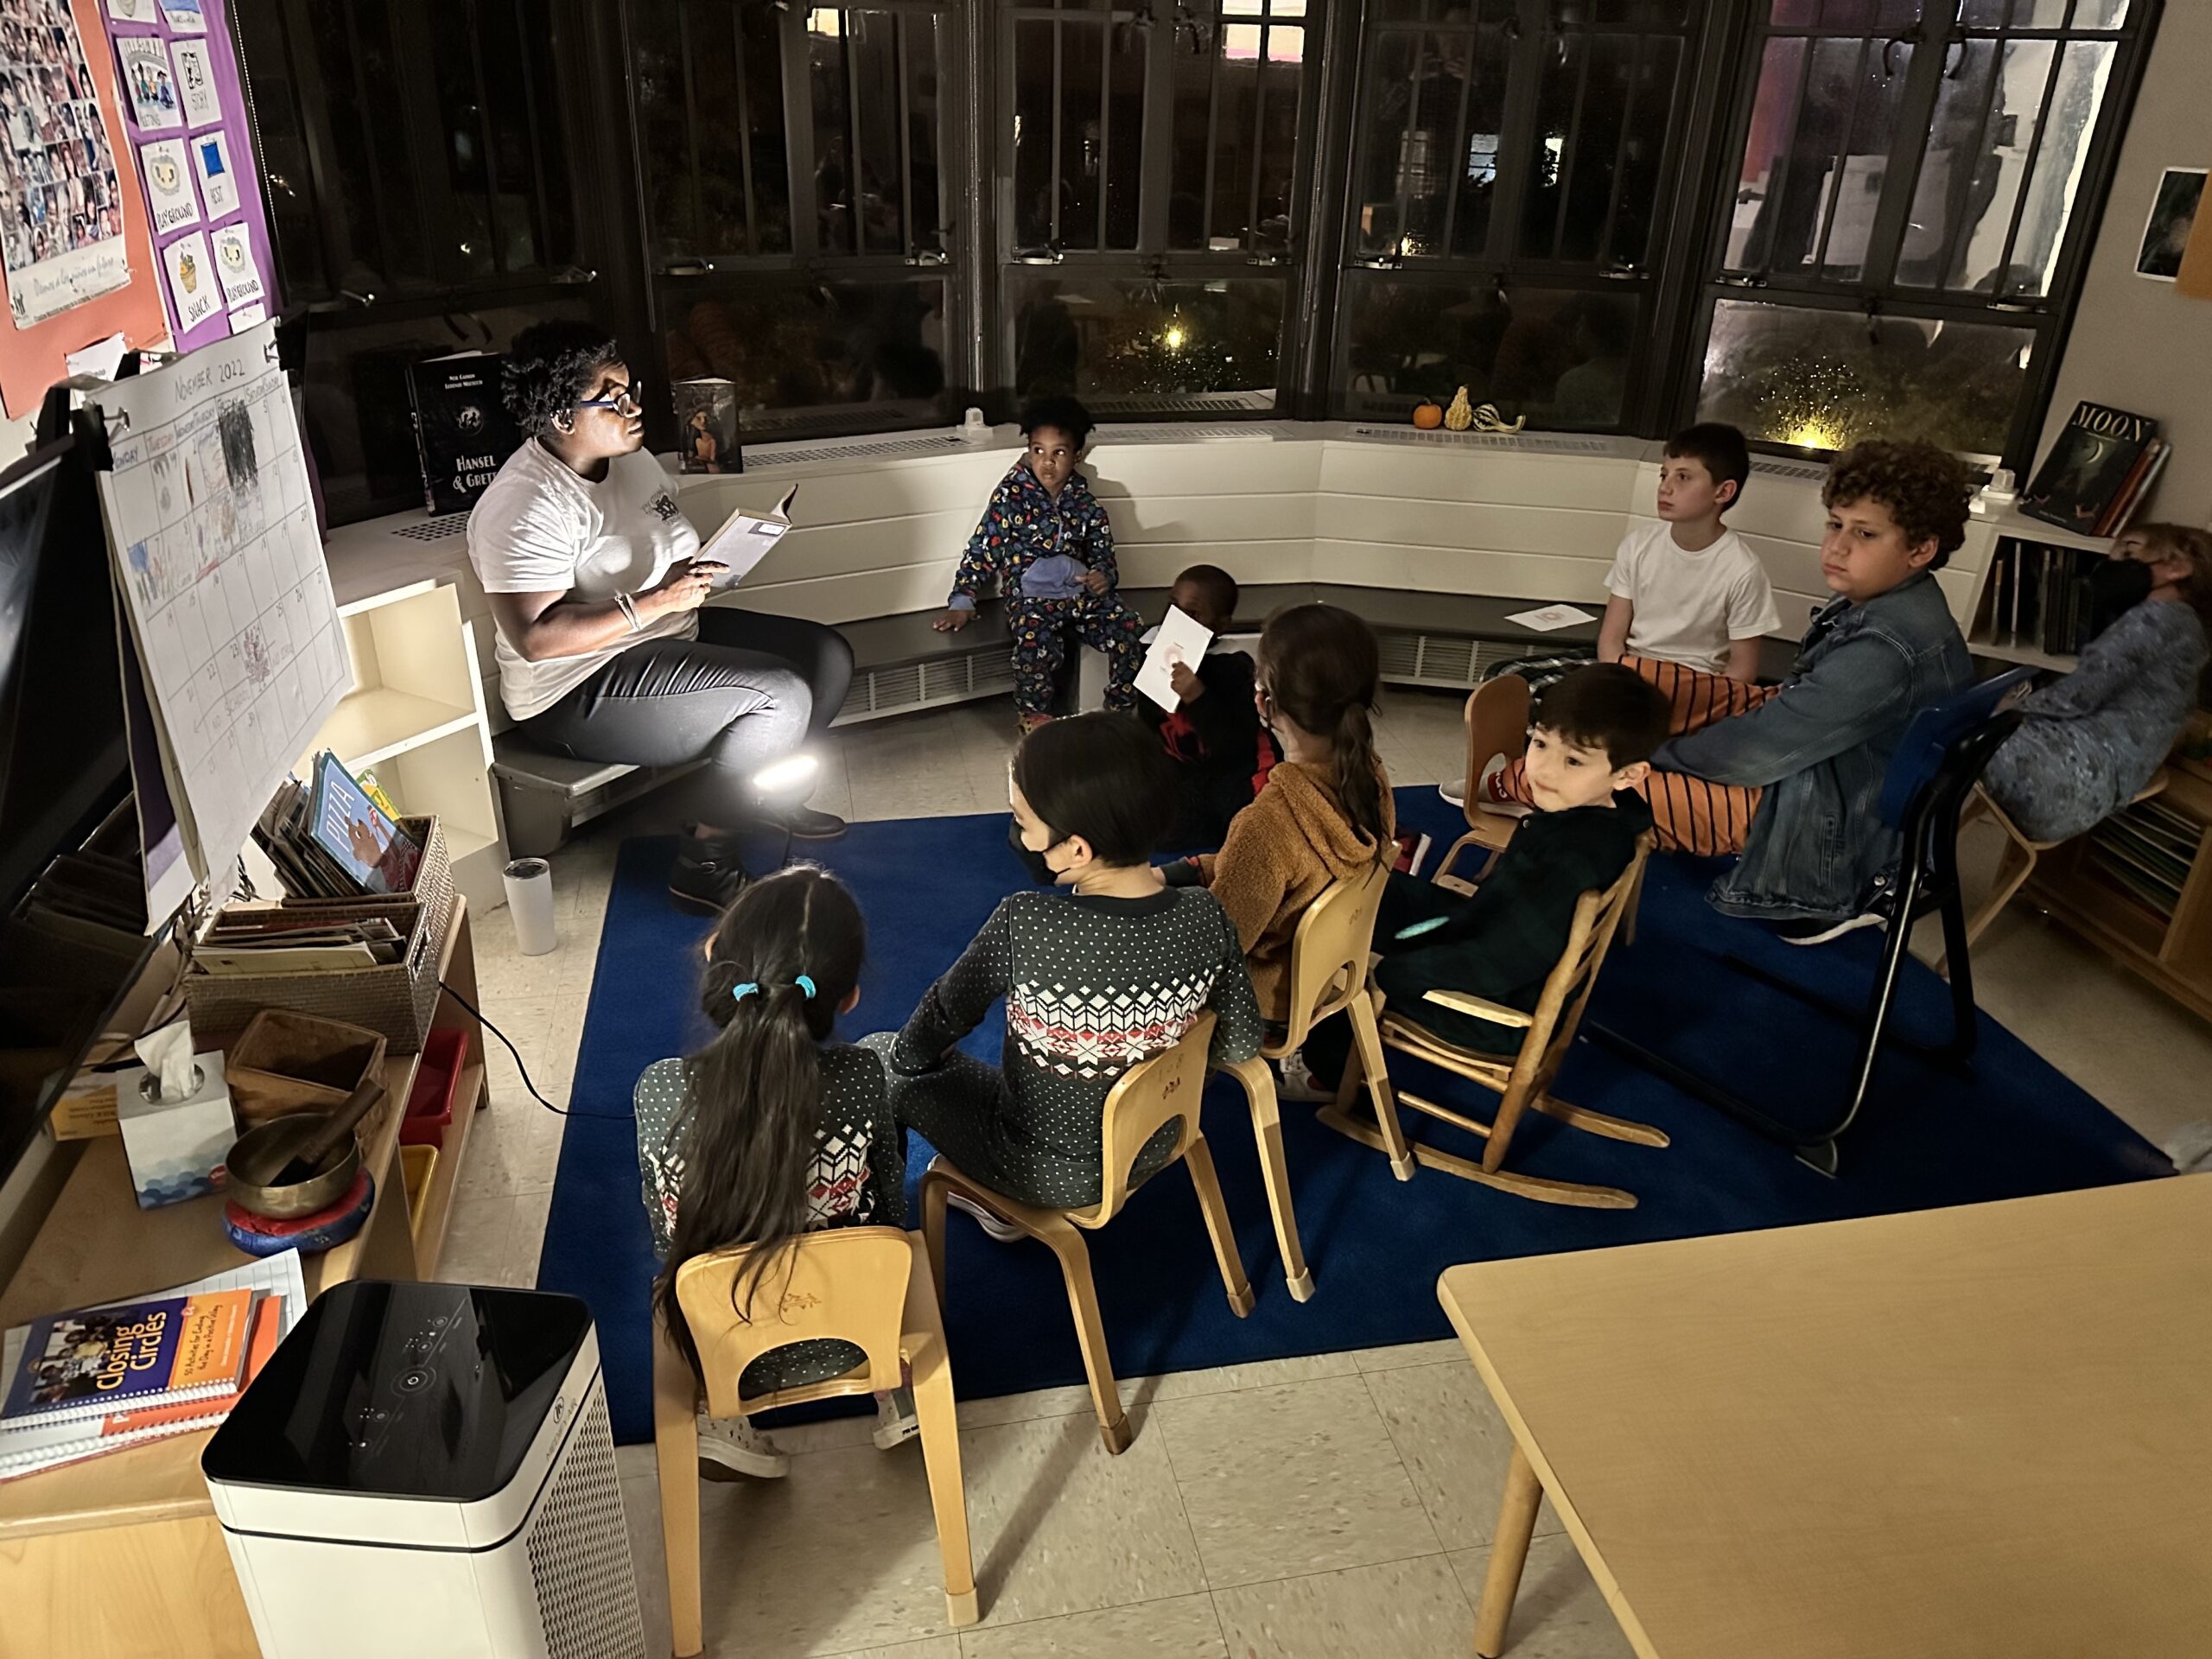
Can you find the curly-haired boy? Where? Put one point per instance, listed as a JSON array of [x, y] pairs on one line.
[[1817, 858]]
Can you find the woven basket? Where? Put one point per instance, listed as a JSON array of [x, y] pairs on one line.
[[397, 999]]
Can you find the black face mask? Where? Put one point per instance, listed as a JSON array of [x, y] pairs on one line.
[[1032, 860], [2116, 586]]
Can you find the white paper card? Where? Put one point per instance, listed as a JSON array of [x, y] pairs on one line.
[[246, 315], [192, 290], [185, 17], [169, 184], [131, 11], [746, 538], [235, 266], [1179, 641], [149, 82], [102, 358], [219, 186], [195, 84], [1550, 618]]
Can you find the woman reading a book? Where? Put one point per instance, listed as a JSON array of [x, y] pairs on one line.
[[596, 585], [2088, 744]]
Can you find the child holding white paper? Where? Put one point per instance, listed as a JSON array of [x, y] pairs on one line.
[[1213, 732]]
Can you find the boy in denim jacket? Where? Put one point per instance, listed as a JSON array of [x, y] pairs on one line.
[[1818, 859], [1045, 540]]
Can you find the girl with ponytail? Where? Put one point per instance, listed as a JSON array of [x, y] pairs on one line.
[[771, 1130], [1326, 813]]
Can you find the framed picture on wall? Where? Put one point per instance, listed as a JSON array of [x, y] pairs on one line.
[[2173, 214]]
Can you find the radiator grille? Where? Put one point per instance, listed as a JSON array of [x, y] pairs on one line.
[[926, 684], [1189, 403], [936, 443], [433, 530], [1187, 432], [579, 1551], [1532, 443], [1789, 468], [1411, 658]]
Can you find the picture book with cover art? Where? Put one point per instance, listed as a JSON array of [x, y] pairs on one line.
[[2088, 467], [94, 1361], [463, 433]]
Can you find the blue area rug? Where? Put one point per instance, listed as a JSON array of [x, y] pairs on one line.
[[2016, 1127]]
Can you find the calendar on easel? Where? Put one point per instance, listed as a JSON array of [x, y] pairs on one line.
[[220, 574]]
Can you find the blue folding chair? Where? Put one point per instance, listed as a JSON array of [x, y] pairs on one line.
[[1930, 775]]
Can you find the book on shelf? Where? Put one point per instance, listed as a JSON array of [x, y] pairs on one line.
[[706, 426], [463, 434], [2084, 476], [277, 1291], [90, 1363], [2140, 477], [2041, 599]]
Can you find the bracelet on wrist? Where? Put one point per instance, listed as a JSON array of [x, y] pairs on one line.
[[629, 608]]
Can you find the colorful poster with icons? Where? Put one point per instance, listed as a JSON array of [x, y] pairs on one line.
[[234, 265], [169, 193], [202, 156], [196, 84]]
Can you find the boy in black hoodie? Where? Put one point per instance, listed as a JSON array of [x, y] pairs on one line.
[[1589, 743], [1223, 753]]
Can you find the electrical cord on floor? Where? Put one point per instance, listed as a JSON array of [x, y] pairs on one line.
[[477, 1014]]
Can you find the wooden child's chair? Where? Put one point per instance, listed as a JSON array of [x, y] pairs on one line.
[[1524, 1081], [868, 1285], [1498, 723], [1168, 1085], [1328, 975]]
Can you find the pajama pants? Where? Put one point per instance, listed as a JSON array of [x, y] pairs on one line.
[[1689, 814], [1541, 671], [1041, 630]]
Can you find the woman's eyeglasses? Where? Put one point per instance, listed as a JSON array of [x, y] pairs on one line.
[[623, 399]]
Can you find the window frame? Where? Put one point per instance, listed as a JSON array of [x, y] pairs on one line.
[[1878, 295]]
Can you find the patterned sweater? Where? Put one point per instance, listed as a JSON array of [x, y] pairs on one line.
[[1092, 986], [1029, 545]]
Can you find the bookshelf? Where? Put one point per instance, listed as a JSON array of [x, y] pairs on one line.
[[2023, 591]]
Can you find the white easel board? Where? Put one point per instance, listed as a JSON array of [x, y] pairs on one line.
[[211, 526]]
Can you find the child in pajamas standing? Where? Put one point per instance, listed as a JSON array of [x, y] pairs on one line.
[[1043, 539]]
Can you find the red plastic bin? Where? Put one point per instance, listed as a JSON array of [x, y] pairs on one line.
[[429, 1106]]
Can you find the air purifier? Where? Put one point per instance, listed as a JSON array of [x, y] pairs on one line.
[[427, 1470]]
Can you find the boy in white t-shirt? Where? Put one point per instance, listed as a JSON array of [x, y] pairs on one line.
[[1686, 589], [1689, 602]]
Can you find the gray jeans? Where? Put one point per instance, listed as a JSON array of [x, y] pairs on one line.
[[750, 688]]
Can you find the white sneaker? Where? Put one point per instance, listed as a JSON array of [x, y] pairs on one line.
[[895, 1421], [1005, 1231], [733, 1444], [1296, 1082], [1454, 793]]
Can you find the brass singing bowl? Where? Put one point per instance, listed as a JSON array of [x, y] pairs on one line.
[[261, 1153]]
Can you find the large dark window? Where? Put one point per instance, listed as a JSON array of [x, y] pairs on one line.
[[1906, 227], [1151, 162], [416, 170], [793, 162], [1511, 193]]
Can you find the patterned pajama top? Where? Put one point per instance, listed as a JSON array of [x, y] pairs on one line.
[[1033, 546]]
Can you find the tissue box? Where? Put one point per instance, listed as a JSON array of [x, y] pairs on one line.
[[177, 1148]]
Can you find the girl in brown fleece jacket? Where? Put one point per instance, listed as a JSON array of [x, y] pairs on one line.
[[1325, 811]]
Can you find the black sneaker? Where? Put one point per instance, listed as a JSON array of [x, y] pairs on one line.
[[708, 874], [805, 824]]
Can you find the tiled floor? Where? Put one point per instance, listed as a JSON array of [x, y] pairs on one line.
[[1337, 1505]]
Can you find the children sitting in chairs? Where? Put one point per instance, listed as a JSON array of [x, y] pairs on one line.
[[1094, 982], [1222, 751], [1592, 741], [773, 1130], [1326, 812]]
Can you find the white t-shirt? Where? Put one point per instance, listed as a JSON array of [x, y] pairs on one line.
[[1689, 607], [540, 529]]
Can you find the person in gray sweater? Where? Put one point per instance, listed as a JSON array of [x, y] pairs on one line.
[[2087, 743]]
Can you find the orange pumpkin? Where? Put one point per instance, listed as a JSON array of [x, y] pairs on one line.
[[1428, 417]]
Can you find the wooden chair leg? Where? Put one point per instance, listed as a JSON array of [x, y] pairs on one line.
[[2014, 866], [933, 1196], [675, 1453], [1090, 1336], [1200, 1157], [1509, 1554], [1367, 1037], [940, 1431], [1613, 1128], [1635, 905], [1267, 1129]]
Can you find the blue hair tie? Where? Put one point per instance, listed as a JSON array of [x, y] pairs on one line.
[[805, 984], [739, 992]]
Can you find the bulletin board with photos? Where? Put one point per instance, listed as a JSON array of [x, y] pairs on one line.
[[185, 112]]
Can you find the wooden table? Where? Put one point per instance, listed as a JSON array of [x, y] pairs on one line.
[[121, 1555], [1982, 1431]]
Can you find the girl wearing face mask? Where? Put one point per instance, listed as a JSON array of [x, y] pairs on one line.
[[1326, 812], [2089, 743], [1095, 979]]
